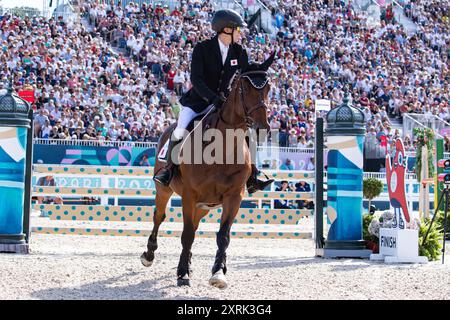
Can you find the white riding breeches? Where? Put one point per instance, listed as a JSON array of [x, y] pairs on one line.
[[184, 118]]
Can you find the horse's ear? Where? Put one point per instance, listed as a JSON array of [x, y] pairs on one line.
[[266, 64]]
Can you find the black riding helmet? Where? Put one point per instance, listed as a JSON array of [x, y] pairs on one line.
[[226, 18]]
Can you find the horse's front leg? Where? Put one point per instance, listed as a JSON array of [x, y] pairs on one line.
[[162, 198], [231, 206], [187, 239]]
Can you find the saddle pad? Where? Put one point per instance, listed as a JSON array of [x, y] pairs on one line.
[[162, 155]]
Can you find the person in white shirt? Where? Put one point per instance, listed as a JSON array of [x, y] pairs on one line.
[[112, 132], [178, 81], [311, 165], [46, 130], [3, 90]]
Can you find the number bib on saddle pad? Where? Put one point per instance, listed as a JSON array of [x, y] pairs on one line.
[[162, 155]]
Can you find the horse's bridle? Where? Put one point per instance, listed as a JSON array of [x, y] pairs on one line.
[[248, 121], [261, 103]]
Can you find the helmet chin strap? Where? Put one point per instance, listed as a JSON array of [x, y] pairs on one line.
[[230, 34]]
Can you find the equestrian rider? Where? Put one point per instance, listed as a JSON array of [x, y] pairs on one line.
[[214, 62]]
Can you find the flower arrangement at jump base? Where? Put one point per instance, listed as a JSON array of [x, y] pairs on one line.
[[371, 232]]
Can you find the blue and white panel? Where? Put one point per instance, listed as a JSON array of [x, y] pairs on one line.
[[345, 182], [12, 177]]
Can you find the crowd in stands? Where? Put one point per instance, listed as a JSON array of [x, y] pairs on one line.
[[388, 71], [120, 77], [301, 186]]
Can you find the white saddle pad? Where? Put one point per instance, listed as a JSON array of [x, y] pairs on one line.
[[162, 155]]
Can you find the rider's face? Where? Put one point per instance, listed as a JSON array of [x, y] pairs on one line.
[[237, 34]]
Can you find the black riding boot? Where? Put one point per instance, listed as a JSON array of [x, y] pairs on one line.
[[253, 184], [164, 176]]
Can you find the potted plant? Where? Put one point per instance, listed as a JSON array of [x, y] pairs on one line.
[[432, 247]]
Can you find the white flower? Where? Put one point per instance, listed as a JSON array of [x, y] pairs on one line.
[[413, 224], [387, 215], [374, 228], [387, 224]]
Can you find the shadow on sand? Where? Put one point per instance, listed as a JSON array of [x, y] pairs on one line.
[[109, 290]]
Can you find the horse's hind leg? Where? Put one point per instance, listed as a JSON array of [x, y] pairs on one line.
[[187, 239], [162, 197]]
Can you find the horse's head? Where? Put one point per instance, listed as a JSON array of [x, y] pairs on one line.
[[253, 88]]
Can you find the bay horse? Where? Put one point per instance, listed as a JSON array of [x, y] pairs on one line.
[[204, 186]]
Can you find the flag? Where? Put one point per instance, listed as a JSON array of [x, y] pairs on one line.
[[383, 141], [27, 95]]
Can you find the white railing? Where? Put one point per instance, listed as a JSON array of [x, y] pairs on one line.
[[416, 120], [66, 11], [401, 17], [95, 143], [99, 143], [267, 20], [118, 144], [21, 12], [285, 149], [172, 4], [227, 4]]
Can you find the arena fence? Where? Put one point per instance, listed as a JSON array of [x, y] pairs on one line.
[[120, 144], [117, 220]]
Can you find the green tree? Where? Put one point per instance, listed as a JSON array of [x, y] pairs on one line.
[[372, 188]]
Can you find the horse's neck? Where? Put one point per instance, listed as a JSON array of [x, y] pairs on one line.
[[228, 116], [229, 119]]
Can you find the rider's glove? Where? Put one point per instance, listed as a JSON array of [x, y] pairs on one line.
[[219, 101]]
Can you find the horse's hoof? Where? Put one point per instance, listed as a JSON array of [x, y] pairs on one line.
[[184, 281], [145, 262], [218, 280]]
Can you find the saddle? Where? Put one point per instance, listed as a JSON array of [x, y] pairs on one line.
[[201, 122]]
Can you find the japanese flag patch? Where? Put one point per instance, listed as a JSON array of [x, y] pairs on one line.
[[234, 62]]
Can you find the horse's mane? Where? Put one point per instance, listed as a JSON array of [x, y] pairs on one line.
[[233, 81]]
